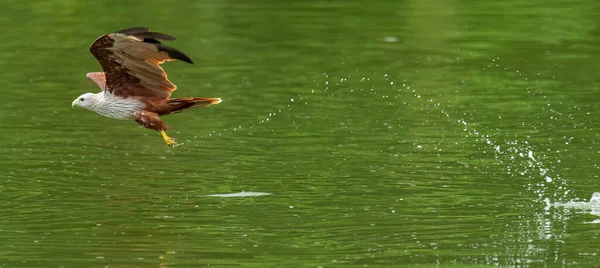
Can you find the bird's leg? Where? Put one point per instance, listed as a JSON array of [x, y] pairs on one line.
[[168, 140], [152, 120]]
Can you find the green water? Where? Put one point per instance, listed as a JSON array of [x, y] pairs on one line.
[[388, 134]]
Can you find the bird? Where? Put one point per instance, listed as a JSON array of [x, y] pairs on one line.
[[132, 82]]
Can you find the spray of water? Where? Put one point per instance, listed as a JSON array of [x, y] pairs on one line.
[[520, 156]]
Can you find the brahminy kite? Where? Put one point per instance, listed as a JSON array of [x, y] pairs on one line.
[[133, 84]]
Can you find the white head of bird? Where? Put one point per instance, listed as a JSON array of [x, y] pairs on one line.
[[87, 101]]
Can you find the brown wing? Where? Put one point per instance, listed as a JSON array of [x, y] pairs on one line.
[[131, 60], [99, 78]]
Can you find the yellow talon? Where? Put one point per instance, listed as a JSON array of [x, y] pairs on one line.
[[168, 140]]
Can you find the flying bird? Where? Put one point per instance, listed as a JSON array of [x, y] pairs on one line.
[[132, 83]]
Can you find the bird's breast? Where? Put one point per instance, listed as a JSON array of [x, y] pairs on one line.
[[119, 108]]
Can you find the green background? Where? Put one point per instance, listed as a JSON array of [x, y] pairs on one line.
[[388, 133]]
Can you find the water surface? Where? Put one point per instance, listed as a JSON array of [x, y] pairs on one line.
[[388, 134]]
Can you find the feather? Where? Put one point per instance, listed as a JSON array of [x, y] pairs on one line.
[[152, 41], [153, 35], [131, 58], [98, 78], [174, 53], [134, 30]]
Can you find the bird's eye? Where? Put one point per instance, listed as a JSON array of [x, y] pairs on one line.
[[81, 99]]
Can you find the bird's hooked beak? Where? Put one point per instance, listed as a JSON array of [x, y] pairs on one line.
[[75, 103]]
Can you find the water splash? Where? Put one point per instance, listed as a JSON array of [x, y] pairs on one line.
[[240, 194], [592, 206]]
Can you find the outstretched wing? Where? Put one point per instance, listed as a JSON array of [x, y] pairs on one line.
[[131, 59], [99, 78]]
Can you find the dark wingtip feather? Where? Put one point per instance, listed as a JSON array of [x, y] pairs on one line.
[[153, 35], [144, 33], [134, 30], [152, 41], [174, 53]]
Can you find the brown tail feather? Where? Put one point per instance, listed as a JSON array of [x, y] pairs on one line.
[[180, 104]]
